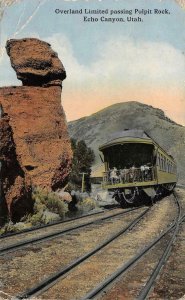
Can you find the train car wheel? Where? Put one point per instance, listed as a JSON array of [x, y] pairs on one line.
[[129, 197], [169, 187], [158, 192]]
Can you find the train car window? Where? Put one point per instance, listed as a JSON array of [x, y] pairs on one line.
[[159, 161], [164, 163]]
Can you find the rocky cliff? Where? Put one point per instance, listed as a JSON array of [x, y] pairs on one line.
[[96, 128], [15, 186], [34, 122]]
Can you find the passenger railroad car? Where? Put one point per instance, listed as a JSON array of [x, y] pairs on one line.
[[135, 165]]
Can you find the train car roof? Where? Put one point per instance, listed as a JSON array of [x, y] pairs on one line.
[[136, 133], [121, 136]]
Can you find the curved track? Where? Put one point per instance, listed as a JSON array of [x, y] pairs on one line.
[[150, 283], [105, 285]]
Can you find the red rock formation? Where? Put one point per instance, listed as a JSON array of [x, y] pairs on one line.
[[15, 188], [35, 62], [37, 122]]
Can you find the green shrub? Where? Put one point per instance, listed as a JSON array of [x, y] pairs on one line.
[[86, 204], [48, 200], [7, 228], [56, 205], [35, 219], [45, 203]]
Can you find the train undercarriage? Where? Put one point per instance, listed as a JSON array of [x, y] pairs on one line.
[[139, 195]]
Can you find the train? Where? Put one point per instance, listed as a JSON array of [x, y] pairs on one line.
[[136, 166]]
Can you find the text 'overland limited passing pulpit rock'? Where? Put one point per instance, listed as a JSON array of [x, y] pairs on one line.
[[35, 148]]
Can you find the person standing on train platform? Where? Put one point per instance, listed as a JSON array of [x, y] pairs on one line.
[[113, 175], [132, 173], [146, 172], [142, 168], [124, 175]]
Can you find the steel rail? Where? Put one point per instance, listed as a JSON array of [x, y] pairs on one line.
[[18, 245], [151, 281], [105, 284], [35, 228], [51, 280], [49, 225]]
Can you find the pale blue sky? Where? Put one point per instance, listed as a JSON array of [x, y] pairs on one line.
[[107, 63], [165, 28]]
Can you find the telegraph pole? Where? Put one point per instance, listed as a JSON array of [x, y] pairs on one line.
[[83, 180]]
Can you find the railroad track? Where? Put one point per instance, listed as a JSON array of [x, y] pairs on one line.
[[34, 229], [51, 281], [43, 238], [105, 285], [54, 278], [47, 285]]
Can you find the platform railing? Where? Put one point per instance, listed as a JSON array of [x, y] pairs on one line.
[[128, 175]]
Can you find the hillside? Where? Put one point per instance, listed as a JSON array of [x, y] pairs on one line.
[[96, 128]]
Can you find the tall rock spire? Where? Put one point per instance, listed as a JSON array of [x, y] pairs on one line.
[[34, 115]]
